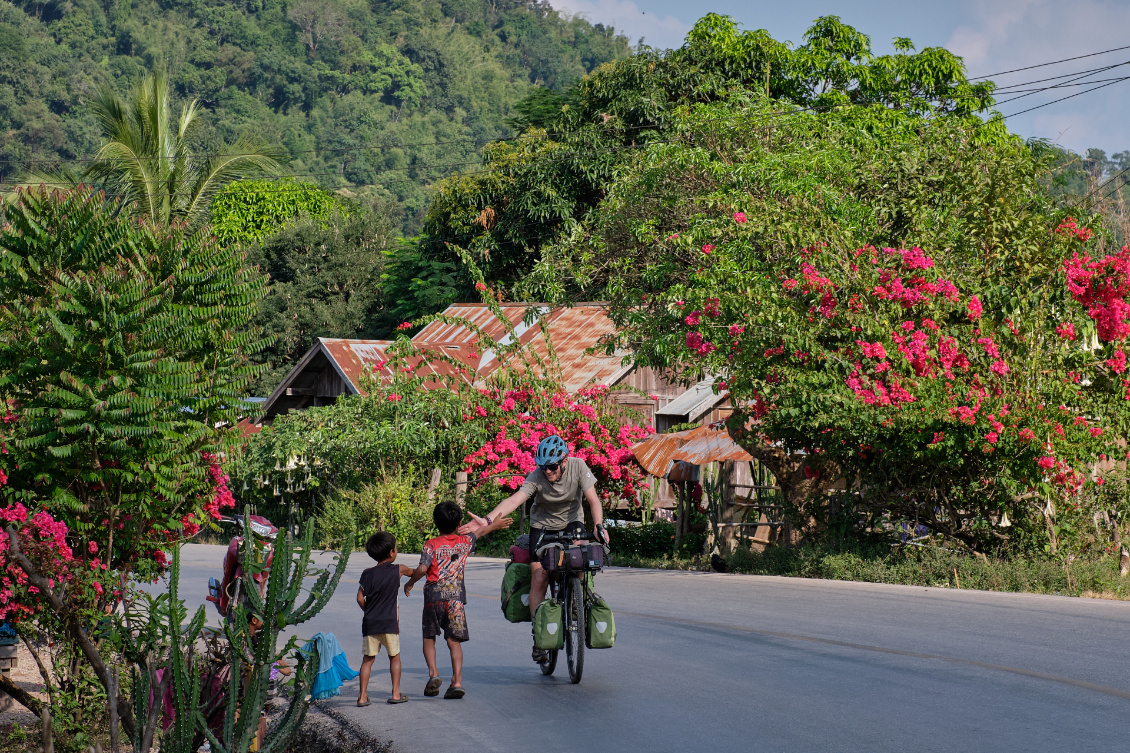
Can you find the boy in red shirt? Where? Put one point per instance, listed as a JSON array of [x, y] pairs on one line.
[[442, 560]]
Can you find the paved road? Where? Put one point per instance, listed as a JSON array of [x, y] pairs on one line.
[[710, 662]]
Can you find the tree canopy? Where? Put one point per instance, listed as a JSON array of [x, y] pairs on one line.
[[892, 303], [540, 192]]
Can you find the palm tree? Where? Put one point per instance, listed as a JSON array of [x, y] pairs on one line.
[[147, 160]]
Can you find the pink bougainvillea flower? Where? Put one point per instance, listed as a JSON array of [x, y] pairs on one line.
[[739, 217], [736, 329], [707, 249], [1047, 462], [394, 398], [692, 319], [974, 308], [404, 325], [1066, 331], [1117, 363], [480, 286]]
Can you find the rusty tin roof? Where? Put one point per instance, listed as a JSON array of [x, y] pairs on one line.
[[655, 453], [698, 446], [713, 446], [572, 331]]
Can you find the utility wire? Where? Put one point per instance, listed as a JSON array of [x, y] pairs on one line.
[[1054, 62], [1061, 99], [1080, 78]]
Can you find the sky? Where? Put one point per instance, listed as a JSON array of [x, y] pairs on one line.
[[991, 35]]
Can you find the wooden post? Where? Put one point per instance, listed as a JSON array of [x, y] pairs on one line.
[[433, 484], [461, 488]]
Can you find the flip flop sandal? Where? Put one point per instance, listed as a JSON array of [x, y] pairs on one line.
[[433, 686], [454, 693], [363, 703], [402, 699]]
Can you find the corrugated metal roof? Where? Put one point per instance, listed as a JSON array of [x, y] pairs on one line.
[[713, 446], [656, 452], [572, 330], [476, 314], [350, 357], [694, 402]]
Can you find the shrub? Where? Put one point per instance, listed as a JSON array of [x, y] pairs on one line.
[[650, 540], [396, 503]]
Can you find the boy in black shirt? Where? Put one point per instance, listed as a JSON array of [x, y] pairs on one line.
[[381, 624]]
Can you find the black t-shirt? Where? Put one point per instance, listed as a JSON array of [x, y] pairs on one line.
[[380, 584]]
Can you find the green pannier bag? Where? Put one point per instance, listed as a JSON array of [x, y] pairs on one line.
[[516, 592], [602, 624], [549, 632]]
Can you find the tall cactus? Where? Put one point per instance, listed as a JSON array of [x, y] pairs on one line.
[[253, 635], [157, 640]]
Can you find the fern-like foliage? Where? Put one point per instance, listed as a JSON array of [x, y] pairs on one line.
[[126, 350]]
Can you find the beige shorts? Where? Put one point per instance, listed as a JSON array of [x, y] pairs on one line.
[[371, 644]]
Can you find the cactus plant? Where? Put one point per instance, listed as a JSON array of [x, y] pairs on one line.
[[253, 633], [205, 672]]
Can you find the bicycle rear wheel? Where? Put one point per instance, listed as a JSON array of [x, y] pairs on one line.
[[575, 627]]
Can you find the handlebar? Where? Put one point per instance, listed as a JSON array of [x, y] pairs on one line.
[[549, 539]]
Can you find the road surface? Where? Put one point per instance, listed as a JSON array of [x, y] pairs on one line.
[[713, 662]]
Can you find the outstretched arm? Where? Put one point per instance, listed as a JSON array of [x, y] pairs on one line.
[[480, 527]]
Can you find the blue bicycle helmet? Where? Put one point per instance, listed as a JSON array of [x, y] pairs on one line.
[[550, 450]]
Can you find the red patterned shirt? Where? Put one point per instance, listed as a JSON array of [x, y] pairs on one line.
[[445, 557]]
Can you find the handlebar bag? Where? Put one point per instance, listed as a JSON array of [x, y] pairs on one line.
[[594, 556], [575, 558], [516, 592], [549, 629], [601, 631], [552, 558]]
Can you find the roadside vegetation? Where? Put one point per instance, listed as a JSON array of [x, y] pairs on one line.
[[918, 319]]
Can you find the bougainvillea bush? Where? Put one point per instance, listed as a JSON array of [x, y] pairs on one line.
[[594, 427], [911, 318]]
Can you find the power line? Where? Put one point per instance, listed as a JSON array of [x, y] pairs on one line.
[[1054, 62], [1069, 96], [1079, 77], [1051, 78]]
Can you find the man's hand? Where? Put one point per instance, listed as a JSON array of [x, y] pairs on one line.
[[407, 589], [474, 526], [601, 534]]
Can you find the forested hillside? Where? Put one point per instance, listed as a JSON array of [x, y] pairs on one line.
[[379, 96]]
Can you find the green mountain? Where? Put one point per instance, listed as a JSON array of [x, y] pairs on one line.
[[381, 97]]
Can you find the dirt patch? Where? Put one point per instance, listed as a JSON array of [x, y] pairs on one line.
[[326, 731], [26, 675]]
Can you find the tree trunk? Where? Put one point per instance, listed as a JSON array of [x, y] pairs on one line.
[[802, 477]]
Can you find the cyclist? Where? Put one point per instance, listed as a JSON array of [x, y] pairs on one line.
[[557, 486]]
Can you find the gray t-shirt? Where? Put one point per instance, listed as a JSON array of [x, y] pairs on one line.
[[556, 505]]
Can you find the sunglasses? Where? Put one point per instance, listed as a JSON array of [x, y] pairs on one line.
[[553, 467]]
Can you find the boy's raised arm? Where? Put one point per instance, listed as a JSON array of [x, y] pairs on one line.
[[405, 570], [416, 574]]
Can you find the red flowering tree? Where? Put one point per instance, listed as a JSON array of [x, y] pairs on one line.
[[895, 310]]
